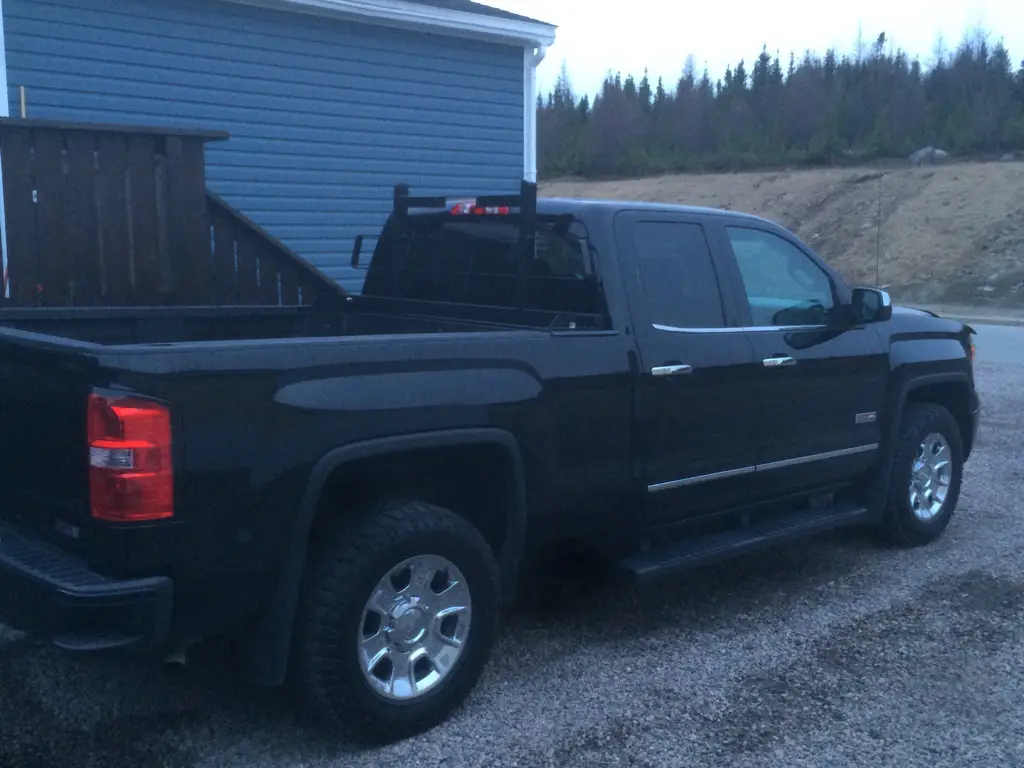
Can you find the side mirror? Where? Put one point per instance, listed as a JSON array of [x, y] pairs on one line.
[[870, 305]]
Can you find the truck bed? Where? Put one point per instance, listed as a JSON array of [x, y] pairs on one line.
[[215, 366]]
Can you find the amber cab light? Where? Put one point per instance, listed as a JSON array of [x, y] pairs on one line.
[[130, 475]]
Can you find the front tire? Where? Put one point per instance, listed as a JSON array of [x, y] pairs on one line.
[[398, 615], [926, 476]]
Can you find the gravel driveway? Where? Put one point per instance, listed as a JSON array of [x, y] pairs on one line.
[[836, 653]]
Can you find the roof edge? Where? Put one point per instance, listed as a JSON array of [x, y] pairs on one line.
[[403, 13]]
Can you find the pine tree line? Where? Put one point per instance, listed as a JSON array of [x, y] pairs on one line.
[[816, 110]]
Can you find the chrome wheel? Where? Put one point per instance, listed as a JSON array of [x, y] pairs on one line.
[[931, 477], [414, 627]]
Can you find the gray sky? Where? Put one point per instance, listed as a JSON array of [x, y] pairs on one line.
[[597, 35]]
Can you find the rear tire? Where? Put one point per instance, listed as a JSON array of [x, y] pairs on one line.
[[432, 633], [926, 476]]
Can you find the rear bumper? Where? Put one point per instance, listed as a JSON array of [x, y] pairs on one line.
[[49, 593]]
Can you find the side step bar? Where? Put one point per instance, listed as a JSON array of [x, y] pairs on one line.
[[707, 548]]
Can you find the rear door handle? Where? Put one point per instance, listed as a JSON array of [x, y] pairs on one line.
[[671, 370], [778, 362]]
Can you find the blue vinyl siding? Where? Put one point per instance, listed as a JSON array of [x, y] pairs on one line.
[[325, 115]]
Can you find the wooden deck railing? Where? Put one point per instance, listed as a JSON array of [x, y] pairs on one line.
[[250, 266], [111, 215]]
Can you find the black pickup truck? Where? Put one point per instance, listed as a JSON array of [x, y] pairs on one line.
[[354, 490]]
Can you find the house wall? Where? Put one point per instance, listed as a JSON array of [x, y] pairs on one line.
[[326, 115]]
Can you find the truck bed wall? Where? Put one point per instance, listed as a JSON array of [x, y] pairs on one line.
[[160, 325]]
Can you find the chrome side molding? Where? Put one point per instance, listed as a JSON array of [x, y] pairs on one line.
[[785, 463]]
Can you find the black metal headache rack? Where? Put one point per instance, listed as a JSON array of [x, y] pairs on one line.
[[525, 201], [429, 261]]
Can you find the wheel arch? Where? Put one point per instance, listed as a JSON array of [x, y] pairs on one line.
[[920, 388], [952, 391], [271, 643]]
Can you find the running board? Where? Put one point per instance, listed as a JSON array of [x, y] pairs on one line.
[[707, 548]]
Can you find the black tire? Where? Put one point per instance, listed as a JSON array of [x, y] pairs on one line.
[[900, 525], [347, 560]]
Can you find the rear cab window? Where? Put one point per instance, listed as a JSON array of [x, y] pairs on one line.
[[473, 261]]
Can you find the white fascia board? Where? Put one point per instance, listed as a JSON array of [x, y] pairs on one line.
[[4, 112], [531, 60], [401, 13]]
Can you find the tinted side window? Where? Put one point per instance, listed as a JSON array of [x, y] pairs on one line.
[[677, 274], [783, 285]]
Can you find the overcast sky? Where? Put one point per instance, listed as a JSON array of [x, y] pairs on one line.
[[595, 36]]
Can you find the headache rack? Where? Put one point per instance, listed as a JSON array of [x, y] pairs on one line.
[[513, 296]]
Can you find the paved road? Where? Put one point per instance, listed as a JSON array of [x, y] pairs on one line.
[[833, 654]]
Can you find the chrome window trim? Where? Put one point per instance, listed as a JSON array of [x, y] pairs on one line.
[[785, 463], [738, 329]]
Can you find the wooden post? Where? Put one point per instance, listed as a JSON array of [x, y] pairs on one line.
[[189, 220]]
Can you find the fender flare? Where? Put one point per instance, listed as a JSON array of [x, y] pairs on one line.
[[271, 643], [919, 382], [879, 490]]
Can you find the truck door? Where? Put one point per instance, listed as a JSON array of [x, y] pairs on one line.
[[822, 379], [696, 400]]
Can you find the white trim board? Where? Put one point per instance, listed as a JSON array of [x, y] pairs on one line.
[[410, 15], [531, 59], [5, 111]]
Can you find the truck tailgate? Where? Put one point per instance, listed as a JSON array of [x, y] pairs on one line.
[[43, 452]]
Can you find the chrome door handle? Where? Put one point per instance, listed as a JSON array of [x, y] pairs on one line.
[[671, 370], [778, 362]]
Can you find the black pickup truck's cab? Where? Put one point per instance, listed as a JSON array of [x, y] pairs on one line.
[[753, 372], [359, 486], [758, 377]]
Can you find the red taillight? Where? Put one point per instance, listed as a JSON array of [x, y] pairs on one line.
[[130, 477]]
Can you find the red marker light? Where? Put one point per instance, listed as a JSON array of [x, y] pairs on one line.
[[470, 208], [130, 474]]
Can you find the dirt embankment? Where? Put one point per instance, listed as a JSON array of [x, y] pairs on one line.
[[949, 234]]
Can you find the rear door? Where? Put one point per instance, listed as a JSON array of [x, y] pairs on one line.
[[821, 380], [696, 400]]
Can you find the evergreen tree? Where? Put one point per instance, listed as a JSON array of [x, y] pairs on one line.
[[821, 109], [644, 92]]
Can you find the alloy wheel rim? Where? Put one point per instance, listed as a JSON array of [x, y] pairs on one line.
[[414, 627], [931, 477]]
